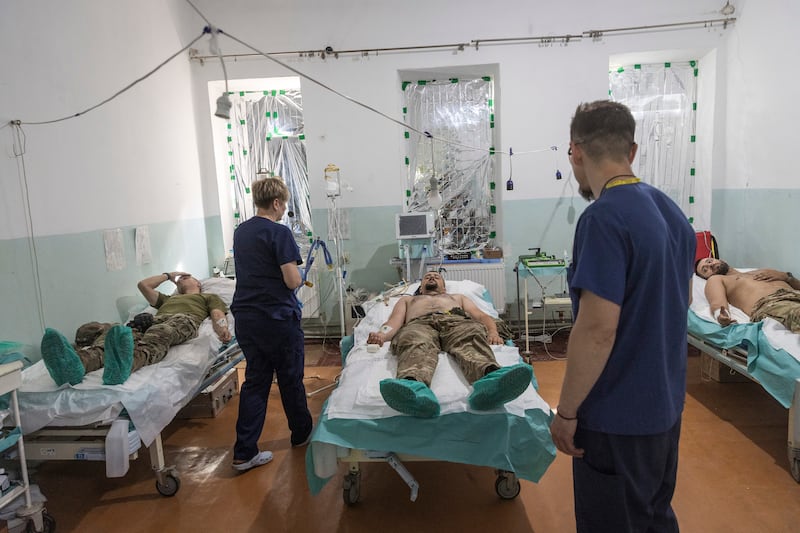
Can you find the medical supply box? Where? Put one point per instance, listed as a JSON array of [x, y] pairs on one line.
[[210, 401]]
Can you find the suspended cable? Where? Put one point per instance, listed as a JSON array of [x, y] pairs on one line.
[[129, 86], [19, 153]]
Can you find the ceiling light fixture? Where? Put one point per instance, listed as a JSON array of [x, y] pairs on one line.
[[727, 9]]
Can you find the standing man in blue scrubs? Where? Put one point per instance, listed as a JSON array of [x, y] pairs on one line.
[[267, 319], [619, 415]]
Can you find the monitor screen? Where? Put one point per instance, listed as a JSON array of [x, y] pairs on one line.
[[415, 225]]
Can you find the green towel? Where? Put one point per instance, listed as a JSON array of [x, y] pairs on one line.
[[410, 397], [60, 358], [118, 355], [500, 386]]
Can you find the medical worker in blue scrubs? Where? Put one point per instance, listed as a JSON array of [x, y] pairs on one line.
[[619, 415], [267, 320]]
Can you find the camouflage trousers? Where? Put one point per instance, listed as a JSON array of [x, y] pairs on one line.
[[782, 305], [418, 343], [149, 347]]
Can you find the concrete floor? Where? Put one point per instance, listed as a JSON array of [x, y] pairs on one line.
[[733, 476]]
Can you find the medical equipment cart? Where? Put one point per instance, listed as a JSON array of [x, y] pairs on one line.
[[34, 513]]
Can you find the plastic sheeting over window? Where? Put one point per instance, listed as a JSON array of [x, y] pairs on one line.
[[266, 134], [459, 114], [663, 100]]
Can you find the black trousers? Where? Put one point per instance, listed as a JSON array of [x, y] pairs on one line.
[[625, 483]]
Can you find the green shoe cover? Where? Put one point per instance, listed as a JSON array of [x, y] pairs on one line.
[[501, 386], [118, 355], [410, 397], [60, 358]]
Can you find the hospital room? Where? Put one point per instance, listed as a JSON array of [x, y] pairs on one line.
[[421, 146]]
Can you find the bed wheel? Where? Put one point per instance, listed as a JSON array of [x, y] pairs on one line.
[[507, 485], [170, 486], [794, 464], [48, 524], [351, 490]]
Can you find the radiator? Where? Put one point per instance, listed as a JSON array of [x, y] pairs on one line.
[[309, 296], [490, 275]]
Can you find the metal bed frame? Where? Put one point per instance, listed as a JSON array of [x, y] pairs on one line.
[[736, 359], [72, 443]]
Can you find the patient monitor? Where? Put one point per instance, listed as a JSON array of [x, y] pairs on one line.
[[415, 225]]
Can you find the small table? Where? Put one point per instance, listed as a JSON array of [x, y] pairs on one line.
[[535, 273]]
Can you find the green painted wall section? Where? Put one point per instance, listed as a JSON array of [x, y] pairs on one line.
[[758, 227]]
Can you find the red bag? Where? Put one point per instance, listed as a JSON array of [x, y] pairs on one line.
[[706, 246]]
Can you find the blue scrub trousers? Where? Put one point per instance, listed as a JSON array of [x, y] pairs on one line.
[[270, 346], [625, 483]]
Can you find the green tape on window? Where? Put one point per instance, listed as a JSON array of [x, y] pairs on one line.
[[637, 67], [492, 185], [493, 209], [486, 78], [691, 199], [406, 135], [492, 234], [667, 65], [302, 136], [691, 172], [408, 193], [693, 138], [407, 161]]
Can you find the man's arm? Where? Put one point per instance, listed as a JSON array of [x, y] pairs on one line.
[[291, 275], [588, 349], [148, 285], [717, 296], [491, 327], [219, 321], [390, 328], [768, 274]]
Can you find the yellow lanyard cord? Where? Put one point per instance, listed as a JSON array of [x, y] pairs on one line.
[[627, 181]]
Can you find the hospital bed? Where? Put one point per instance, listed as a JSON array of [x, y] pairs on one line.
[[357, 426], [91, 421], [766, 352]]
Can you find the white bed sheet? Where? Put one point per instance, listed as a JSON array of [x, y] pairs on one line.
[[358, 395]]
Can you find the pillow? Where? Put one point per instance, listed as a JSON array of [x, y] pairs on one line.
[[222, 287]]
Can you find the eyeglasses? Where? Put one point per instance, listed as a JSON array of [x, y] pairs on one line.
[[575, 143]]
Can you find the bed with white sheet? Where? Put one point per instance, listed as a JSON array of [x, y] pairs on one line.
[[77, 422], [764, 351], [357, 426]]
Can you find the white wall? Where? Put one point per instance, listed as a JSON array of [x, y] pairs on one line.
[[147, 157], [540, 86], [133, 160]]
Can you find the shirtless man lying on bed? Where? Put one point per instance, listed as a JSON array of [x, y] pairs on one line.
[[759, 293], [120, 350], [421, 326]]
